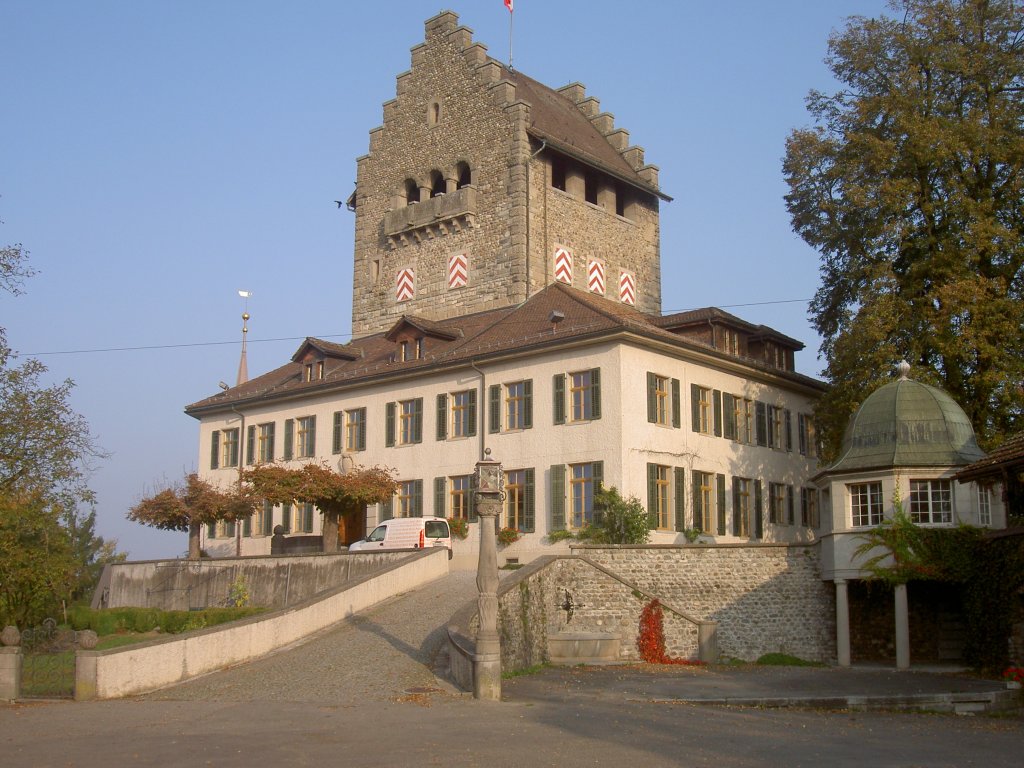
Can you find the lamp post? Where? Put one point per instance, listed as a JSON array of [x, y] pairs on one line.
[[489, 480]]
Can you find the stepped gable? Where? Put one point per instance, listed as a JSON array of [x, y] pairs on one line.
[[562, 122]]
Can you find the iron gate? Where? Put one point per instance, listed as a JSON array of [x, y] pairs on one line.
[[48, 661]]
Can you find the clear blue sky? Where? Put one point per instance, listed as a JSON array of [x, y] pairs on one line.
[[155, 157]]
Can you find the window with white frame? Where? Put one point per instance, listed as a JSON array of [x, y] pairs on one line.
[[809, 515], [985, 505], [305, 444], [742, 506], [704, 498], [224, 448], [581, 494], [865, 504], [519, 499], [931, 502]]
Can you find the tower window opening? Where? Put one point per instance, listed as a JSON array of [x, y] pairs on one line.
[[464, 177], [412, 191], [558, 173], [620, 200], [590, 188], [437, 186]]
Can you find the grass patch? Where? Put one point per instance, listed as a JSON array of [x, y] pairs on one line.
[[531, 670], [785, 660]]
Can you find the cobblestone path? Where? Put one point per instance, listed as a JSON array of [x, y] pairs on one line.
[[382, 654]]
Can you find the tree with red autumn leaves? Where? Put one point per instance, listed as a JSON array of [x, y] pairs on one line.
[[190, 505]]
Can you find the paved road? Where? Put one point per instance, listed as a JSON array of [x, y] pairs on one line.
[[382, 654]]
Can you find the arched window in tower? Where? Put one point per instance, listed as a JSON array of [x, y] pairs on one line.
[[437, 185], [412, 191], [464, 176]]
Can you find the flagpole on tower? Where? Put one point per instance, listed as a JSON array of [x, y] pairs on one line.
[[511, 13]]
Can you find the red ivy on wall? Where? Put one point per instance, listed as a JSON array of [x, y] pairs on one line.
[[651, 640]]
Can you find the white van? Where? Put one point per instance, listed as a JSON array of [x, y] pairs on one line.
[[407, 533]]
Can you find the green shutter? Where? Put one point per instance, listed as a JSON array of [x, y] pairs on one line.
[[528, 404], [729, 416], [558, 398], [250, 445], [758, 512], [270, 441], [361, 430], [801, 428], [676, 400], [698, 502], [597, 468], [439, 497], [215, 449], [529, 501], [234, 448], [472, 505], [760, 423], [679, 497], [716, 399], [652, 398], [595, 393], [695, 415], [339, 426], [312, 435], [557, 497], [389, 425], [417, 420], [652, 496], [268, 520], [417, 498], [442, 417], [307, 518], [289, 437], [494, 412], [229, 529], [789, 505], [721, 504], [736, 508], [247, 527], [286, 517], [471, 427], [211, 530], [787, 419], [387, 509]]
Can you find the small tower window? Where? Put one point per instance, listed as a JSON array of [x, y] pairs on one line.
[[412, 191], [558, 173], [437, 185], [590, 188], [434, 113], [464, 176]]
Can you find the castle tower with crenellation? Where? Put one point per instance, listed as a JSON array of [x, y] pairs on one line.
[[482, 186]]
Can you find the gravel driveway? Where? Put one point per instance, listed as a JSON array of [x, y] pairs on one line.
[[382, 654]]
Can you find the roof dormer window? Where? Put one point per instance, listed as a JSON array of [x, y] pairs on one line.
[[313, 371]]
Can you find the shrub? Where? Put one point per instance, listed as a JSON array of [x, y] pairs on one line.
[[619, 520], [556, 536], [508, 536], [785, 660], [459, 527]]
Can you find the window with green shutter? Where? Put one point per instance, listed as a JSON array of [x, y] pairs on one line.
[[389, 425], [721, 504], [442, 417], [758, 511], [337, 432], [557, 497], [676, 404], [494, 409], [728, 416], [558, 398], [716, 398], [286, 518], [679, 497], [215, 449], [439, 497], [250, 445], [289, 438]]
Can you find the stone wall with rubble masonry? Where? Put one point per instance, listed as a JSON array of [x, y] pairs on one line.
[[764, 598]]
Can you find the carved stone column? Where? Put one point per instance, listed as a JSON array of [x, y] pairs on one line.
[[487, 661]]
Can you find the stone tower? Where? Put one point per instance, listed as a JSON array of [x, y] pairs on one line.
[[483, 185]]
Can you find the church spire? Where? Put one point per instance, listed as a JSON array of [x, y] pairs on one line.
[[243, 367]]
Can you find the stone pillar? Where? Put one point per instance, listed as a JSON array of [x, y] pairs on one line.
[[902, 628], [10, 673], [86, 675], [487, 661], [842, 624], [575, 182]]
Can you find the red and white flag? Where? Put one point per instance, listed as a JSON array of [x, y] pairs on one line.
[[508, 4]]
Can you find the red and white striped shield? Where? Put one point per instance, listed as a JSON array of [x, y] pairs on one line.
[[458, 270], [595, 276], [563, 266], [627, 288], [405, 286]]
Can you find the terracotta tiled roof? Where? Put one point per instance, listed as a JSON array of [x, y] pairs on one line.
[[558, 120], [1008, 455], [476, 337]]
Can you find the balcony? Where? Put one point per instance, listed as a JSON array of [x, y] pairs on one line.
[[431, 218]]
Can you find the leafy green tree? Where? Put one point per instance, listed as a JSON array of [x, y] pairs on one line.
[[89, 551], [910, 184], [46, 555], [190, 505], [340, 497]]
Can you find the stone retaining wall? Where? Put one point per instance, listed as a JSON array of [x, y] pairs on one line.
[[765, 597]]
